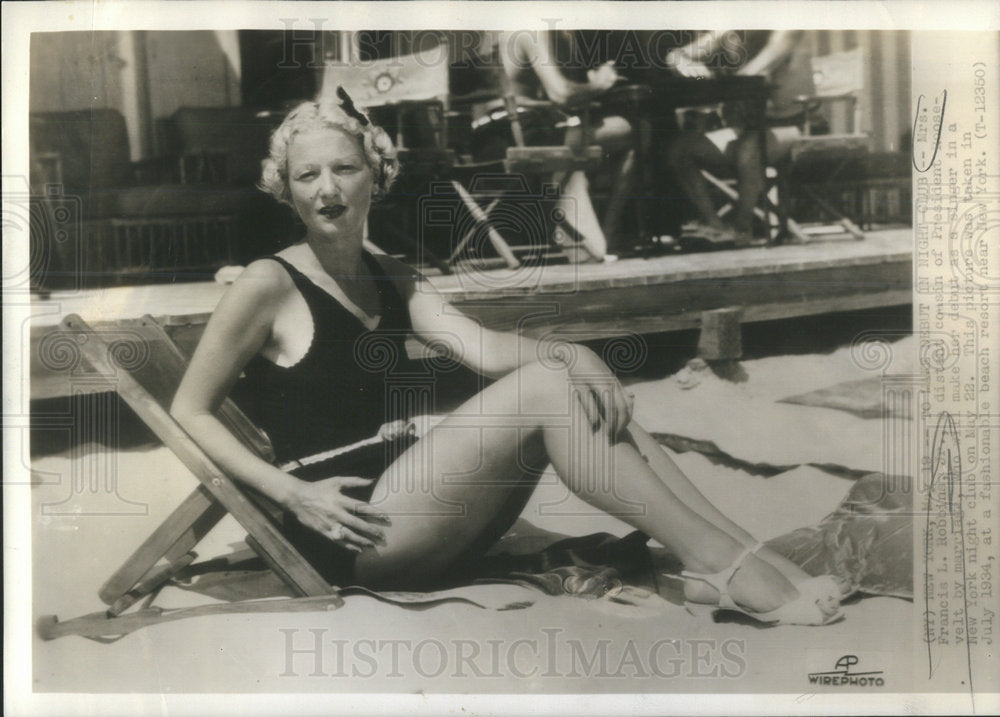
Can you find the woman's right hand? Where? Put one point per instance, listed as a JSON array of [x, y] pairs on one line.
[[322, 506], [683, 65], [603, 77]]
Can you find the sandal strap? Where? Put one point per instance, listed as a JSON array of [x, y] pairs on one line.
[[720, 580]]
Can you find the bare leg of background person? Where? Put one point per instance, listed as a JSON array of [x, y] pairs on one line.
[[687, 155], [578, 209], [613, 135], [750, 180]]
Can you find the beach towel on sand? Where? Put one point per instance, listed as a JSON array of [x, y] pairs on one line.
[[868, 539], [591, 566]]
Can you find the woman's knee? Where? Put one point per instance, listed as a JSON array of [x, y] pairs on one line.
[[614, 134], [544, 380]]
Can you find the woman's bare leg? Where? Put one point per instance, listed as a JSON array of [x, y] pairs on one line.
[[453, 483], [685, 490], [574, 201], [750, 179], [612, 135]]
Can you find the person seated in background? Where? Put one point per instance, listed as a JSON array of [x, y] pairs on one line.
[[733, 150], [540, 71]]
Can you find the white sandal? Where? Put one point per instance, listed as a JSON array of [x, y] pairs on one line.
[[818, 602]]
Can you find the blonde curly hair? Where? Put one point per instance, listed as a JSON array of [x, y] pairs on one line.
[[380, 153]]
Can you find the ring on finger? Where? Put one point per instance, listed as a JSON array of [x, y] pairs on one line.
[[337, 533]]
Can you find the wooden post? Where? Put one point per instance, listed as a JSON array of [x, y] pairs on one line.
[[721, 334]]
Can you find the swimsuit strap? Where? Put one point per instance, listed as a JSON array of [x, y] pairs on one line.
[[388, 301]]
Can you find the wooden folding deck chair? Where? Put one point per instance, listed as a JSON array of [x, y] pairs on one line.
[[148, 390], [839, 81], [482, 186]]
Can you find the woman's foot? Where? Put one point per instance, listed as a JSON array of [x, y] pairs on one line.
[[716, 234], [574, 245], [757, 588], [793, 573]]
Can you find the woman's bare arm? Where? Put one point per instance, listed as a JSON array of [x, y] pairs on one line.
[[237, 330], [519, 49], [497, 353]]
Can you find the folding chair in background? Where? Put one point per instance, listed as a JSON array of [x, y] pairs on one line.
[[838, 79], [483, 188], [148, 390], [413, 90]]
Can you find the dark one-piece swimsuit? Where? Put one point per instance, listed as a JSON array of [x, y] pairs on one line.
[[339, 393]]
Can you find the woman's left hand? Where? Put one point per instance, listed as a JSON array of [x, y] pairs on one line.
[[599, 391]]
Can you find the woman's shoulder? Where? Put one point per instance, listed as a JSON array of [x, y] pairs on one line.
[[262, 279], [253, 299]]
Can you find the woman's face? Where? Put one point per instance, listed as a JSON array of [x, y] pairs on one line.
[[330, 182]]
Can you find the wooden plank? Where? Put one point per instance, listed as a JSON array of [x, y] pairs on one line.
[[303, 577], [586, 330], [630, 309], [617, 311]]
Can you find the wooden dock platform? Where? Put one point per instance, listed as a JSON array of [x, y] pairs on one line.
[[578, 301]]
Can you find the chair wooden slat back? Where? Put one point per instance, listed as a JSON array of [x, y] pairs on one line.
[[840, 77], [144, 366], [400, 81]]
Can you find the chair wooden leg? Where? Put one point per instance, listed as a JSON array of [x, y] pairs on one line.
[[796, 231], [501, 246], [156, 577], [460, 247], [772, 207], [849, 226], [620, 190], [171, 541]]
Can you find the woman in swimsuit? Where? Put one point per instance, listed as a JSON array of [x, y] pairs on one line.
[[302, 328]]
